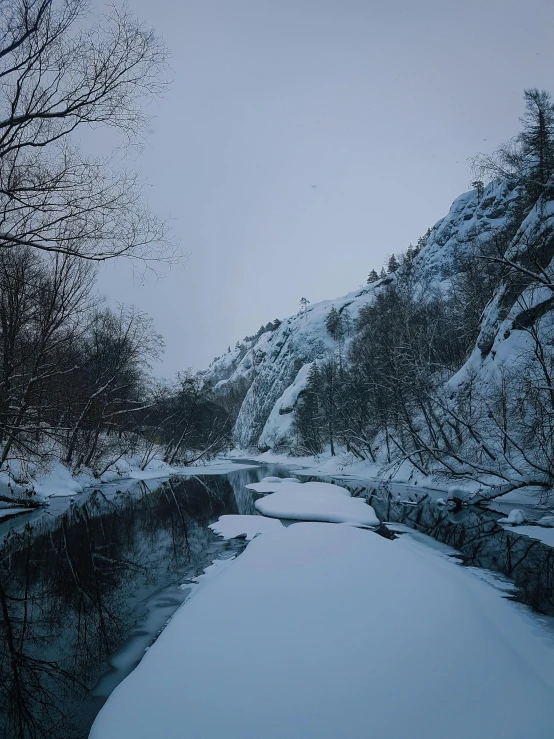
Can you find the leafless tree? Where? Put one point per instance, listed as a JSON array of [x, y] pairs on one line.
[[62, 71]]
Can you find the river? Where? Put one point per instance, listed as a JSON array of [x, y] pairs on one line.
[[86, 586]]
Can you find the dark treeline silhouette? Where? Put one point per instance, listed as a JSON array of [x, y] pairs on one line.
[[74, 381]]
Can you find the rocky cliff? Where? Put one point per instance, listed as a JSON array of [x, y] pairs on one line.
[[266, 375]]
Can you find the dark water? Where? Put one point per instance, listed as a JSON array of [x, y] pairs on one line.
[[86, 587], [85, 591], [475, 534]]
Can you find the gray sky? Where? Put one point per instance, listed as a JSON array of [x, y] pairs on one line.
[[377, 104]]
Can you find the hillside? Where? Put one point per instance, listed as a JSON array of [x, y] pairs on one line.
[[270, 372]]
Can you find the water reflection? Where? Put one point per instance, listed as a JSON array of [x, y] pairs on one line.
[[475, 533], [79, 592]]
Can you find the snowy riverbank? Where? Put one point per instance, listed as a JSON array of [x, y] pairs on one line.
[[329, 630], [37, 484], [345, 466]]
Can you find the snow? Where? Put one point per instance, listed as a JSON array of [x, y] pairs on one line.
[[278, 427], [514, 518], [271, 478], [323, 488], [264, 487], [317, 501], [546, 521], [7, 511], [232, 526], [546, 535], [328, 631], [217, 467], [273, 369], [57, 482]]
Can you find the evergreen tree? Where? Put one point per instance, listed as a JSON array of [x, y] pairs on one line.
[[333, 323], [392, 265], [478, 185], [372, 277], [382, 274], [307, 415], [537, 140]]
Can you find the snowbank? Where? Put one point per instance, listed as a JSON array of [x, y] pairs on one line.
[[231, 526], [515, 518], [330, 631], [57, 480], [544, 534], [264, 487]]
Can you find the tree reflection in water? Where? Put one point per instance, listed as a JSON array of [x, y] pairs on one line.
[[476, 535], [71, 590]]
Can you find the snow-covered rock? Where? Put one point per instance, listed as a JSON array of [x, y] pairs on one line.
[[514, 518]]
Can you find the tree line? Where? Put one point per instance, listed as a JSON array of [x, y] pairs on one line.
[[75, 381]]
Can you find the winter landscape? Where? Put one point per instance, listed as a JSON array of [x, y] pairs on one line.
[[341, 526]]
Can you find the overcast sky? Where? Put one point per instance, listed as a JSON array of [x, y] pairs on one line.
[[302, 141]]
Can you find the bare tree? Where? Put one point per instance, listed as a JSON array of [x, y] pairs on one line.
[[62, 70]]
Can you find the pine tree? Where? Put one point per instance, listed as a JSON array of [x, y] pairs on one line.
[[537, 140], [392, 265], [333, 323], [307, 414], [478, 185], [382, 274], [372, 277]]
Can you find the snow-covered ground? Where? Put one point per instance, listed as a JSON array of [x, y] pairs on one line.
[[57, 480], [328, 631]]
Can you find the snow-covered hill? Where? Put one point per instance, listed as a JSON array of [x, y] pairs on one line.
[[269, 374]]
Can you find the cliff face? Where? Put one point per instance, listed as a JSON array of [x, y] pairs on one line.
[[267, 375], [520, 303]]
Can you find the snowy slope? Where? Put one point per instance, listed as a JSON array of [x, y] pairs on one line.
[[503, 342], [271, 371]]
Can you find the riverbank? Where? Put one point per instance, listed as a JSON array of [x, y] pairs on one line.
[[35, 486], [347, 467]]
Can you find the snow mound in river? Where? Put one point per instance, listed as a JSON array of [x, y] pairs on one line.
[[317, 501]]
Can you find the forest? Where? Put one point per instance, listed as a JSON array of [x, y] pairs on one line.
[[75, 378]]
